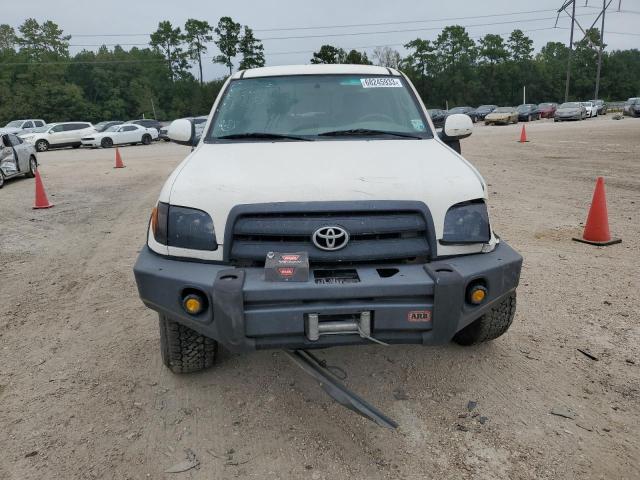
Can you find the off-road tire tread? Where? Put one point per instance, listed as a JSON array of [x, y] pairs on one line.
[[184, 350], [491, 325]]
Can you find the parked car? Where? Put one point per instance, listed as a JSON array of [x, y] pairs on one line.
[[632, 107], [570, 111], [528, 112], [123, 134], [502, 115], [601, 106], [484, 110], [592, 110], [547, 110], [58, 135], [17, 158], [148, 123], [470, 111], [418, 264], [22, 126], [438, 117], [102, 126]]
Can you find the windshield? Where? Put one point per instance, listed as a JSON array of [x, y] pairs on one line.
[[546, 105], [42, 129], [113, 128], [503, 110], [14, 124], [570, 105], [524, 108], [458, 110], [310, 106]]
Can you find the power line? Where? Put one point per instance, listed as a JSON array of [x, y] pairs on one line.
[[352, 25], [353, 34]]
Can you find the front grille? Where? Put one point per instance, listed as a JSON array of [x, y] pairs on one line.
[[375, 236]]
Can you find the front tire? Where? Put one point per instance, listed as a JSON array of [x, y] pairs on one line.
[[33, 166], [184, 350], [491, 325], [106, 143], [146, 139], [42, 145]]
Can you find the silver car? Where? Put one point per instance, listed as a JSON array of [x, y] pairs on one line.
[[16, 158], [570, 111]]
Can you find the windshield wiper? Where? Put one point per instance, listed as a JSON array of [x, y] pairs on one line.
[[274, 136], [366, 131]]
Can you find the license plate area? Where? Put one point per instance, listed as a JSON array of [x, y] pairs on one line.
[[336, 276], [317, 325]]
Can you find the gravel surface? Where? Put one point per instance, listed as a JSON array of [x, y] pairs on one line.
[[83, 393]]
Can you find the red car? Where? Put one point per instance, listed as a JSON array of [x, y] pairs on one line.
[[547, 110]]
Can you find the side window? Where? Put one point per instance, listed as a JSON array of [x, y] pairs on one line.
[[71, 126], [15, 141], [57, 129], [129, 128], [27, 125], [39, 123]]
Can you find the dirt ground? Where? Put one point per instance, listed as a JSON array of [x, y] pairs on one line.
[[83, 392]]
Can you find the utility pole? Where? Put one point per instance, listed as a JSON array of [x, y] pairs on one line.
[[604, 9], [573, 21]]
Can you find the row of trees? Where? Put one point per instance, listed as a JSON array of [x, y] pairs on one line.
[[230, 37], [455, 69], [39, 78]]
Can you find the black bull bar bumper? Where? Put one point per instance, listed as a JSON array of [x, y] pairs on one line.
[[406, 304]]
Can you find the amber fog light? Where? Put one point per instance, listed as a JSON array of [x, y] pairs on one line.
[[476, 294], [194, 303]]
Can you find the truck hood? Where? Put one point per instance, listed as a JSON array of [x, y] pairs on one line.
[[217, 177]]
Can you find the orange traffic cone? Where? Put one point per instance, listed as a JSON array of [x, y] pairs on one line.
[[41, 197], [596, 231], [119, 163], [523, 135]]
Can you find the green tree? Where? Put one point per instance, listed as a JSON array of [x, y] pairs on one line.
[[520, 46], [8, 39], [492, 49], [168, 40], [38, 42], [355, 57], [329, 54], [197, 33], [251, 49], [228, 38]]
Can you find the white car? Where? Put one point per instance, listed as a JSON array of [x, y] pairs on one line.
[[321, 208], [58, 135], [124, 134], [592, 110], [17, 127], [17, 158]]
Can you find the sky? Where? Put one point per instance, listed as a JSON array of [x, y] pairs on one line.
[[292, 30]]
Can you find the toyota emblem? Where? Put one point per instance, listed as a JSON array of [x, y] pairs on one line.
[[330, 238]]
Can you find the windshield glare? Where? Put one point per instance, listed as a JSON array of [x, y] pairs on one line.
[[43, 129], [570, 105], [310, 105], [14, 124], [503, 110], [113, 128]]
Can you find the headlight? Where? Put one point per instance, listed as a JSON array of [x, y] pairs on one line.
[[183, 227], [467, 222]]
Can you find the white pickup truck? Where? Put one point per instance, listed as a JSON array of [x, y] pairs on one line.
[[337, 172]]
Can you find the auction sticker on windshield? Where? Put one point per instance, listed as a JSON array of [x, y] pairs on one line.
[[381, 82]]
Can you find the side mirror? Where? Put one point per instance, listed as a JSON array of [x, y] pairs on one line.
[[182, 131], [457, 127]]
